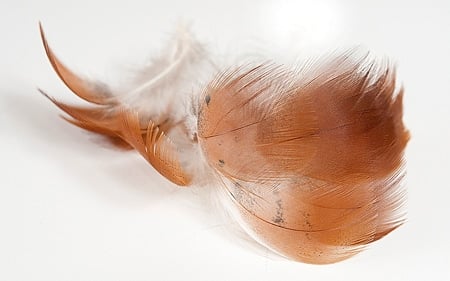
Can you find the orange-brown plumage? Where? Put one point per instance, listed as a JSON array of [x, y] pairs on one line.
[[314, 163], [312, 160]]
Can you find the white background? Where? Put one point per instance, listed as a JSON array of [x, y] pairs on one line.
[[74, 209]]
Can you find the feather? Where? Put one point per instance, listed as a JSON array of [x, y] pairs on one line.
[[123, 124], [311, 161]]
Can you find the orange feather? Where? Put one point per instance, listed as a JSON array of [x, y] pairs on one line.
[[311, 160]]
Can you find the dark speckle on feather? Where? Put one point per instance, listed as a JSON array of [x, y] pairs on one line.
[[278, 219]]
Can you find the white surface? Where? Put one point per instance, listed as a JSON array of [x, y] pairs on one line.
[[71, 209]]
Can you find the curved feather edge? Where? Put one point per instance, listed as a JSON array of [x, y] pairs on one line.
[[94, 92]]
